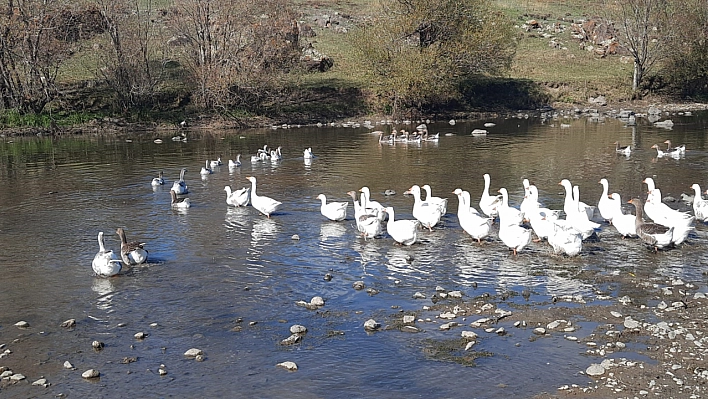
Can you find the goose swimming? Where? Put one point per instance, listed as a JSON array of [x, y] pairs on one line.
[[178, 203], [369, 225], [236, 163], [336, 211], [133, 252], [206, 170], [265, 205], [237, 198], [626, 150], [180, 187], [158, 181], [105, 263]]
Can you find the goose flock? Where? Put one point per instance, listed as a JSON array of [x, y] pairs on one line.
[[564, 230]]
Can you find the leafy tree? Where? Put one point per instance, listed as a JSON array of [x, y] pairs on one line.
[[418, 52]]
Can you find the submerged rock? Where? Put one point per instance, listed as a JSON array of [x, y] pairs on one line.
[[290, 366], [371, 325], [91, 373], [194, 352]]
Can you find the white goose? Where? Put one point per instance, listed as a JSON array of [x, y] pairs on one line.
[[265, 205], [307, 154], [369, 225], [402, 231], [624, 223], [216, 163], [541, 219], [700, 205], [579, 219], [236, 163], [471, 221], [606, 204], [239, 197], [565, 239], [371, 207], [680, 149], [206, 170], [132, 253], [179, 203], [336, 211], [569, 205], [158, 181], [427, 214], [512, 235], [441, 202], [626, 150], [681, 222], [105, 263], [526, 204], [488, 204], [180, 187], [508, 214]]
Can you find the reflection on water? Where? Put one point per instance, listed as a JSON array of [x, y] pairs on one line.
[[219, 264]]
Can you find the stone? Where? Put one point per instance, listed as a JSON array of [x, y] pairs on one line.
[[97, 345], [539, 331], [371, 325], [408, 319], [6, 374], [455, 294], [298, 329], [595, 370], [630, 323], [162, 371], [90, 373], [293, 339], [410, 329], [140, 335], [68, 365], [468, 334], [419, 295], [41, 382], [358, 285], [470, 345], [447, 315], [193, 352], [22, 324], [290, 366], [317, 301], [616, 314], [17, 377], [69, 323]]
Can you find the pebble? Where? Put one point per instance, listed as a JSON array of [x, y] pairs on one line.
[[298, 329], [6, 374], [469, 345], [41, 382], [162, 371], [290, 366], [17, 377], [328, 277], [630, 323], [358, 285], [295, 237], [408, 319], [22, 324], [571, 338], [448, 326], [293, 339], [539, 331], [317, 301], [68, 365], [616, 314], [410, 329], [469, 334], [455, 294], [140, 335], [97, 345], [193, 352], [371, 325], [69, 323], [90, 373], [595, 370], [419, 295]]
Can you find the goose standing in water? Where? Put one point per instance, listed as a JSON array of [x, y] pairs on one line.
[[179, 203], [369, 206], [512, 235], [510, 214], [653, 234], [625, 224], [239, 197], [402, 231], [682, 222], [336, 211], [369, 225], [700, 205], [441, 202], [132, 253], [569, 205], [605, 205], [488, 204], [427, 214], [265, 205], [180, 187], [158, 181], [471, 221], [105, 263]]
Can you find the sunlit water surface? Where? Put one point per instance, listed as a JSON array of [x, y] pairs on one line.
[[212, 267]]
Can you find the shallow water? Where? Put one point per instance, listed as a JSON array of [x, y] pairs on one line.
[[212, 268]]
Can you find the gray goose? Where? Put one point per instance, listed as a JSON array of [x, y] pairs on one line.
[[132, 252], [653, 234]]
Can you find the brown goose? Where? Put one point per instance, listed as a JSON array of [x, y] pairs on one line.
[[653, 234], [132, 252], [179, 203]]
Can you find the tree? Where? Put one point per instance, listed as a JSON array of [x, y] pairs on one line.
[[235, 50], [645, 29], [133, 63], [418, 51], [687, 65], [36, 37]]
